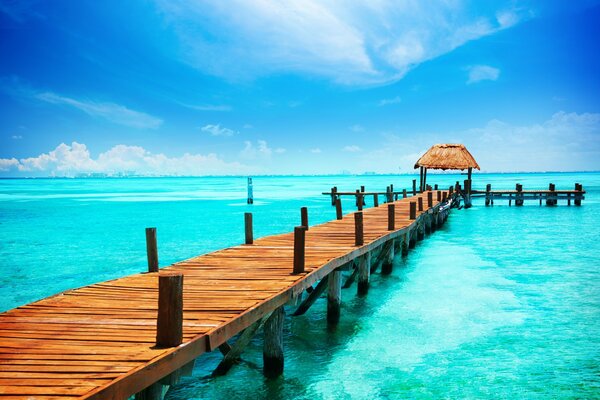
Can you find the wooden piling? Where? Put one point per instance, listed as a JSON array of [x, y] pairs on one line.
[[439, 196], [248, 228], [488, 189], [429, 199], [414, 187], [420, 203], [333, 195], [273, 344], [404, 193], [152, 249], [250, 192], [169, 323], [299, 249], [375, 200], [359, 200], [413, 210], [405, 244], [391, 217], [435, 187], [388, 259], [550, 198], [578, 196], [152, 392], [334, 296], [444, 196], [304, 217], [338, 209], [358, 229], [519, 195], [362, 189], [364, 273]]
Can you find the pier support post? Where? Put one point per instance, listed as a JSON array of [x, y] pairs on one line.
[[421, 229], [152, 392], [375, 200], [388, 260], [359, 200], [358, 229], [467, 193], [338, 209], [152, 249], [414, 188], [391, 217], [334, 296], [169, 323], [248, 228], [364, 273], [405, 243], [412, 238], [429, 199], [550, 197], [413, 210], [578, 196], [304, 217], [333, 195], [488, 189], [299, 247], [404, 193], [519, 195], [420, 203], [273, 344], [439, 195]]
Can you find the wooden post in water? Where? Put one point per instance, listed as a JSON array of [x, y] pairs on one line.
[[439, 196], [248, 228], [444, 196], [299, 248], [413, 210], [358, 229], [467, 193], [404, 193], [169, 323], [250, 191], [152, 249], [435, 187], [334, 296], [391, 217], [359, 200], [333, 195], [388, 260], [152, 392], [420, 203], [375, 200], [579, 188], [273, 344], [519, 195], [550, 198], [414, 188], [338, 209], [304, 217], [488, 189], [405, 243], [364, 272], [429, 199]]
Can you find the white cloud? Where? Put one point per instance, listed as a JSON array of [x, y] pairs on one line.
[[16, 137], [386, 102], [351, 42], [316, 150], [352, 148], [75, 159], [260, 151], [479, 73], [357, 128], [216, 130], [112, 112]]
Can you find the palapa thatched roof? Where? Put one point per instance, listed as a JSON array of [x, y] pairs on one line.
[[447, 156]]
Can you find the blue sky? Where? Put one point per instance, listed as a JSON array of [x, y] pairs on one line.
[[302, 87]]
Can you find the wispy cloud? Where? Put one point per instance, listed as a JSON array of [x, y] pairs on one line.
[[351, 148], [259, 151], [112, 112], [208, 107], [357, 128], [16, 137], [478, 73], [354, 43], [387, 102], [316, 150], [75, 159], [217, 130]]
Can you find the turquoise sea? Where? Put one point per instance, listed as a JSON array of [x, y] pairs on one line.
[[502, 302]]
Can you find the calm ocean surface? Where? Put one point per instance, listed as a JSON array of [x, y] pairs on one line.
[[502, 302]]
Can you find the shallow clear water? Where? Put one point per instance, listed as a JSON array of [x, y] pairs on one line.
[[501, 302]]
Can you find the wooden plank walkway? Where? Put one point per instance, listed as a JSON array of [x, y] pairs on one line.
[[97, 341]]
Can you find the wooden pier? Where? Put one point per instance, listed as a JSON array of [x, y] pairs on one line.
[[550, 196], [112, 340]]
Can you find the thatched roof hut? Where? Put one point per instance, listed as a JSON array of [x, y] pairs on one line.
[[447, 156]]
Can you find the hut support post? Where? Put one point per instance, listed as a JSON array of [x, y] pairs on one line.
[[424, 180], [273, 344]]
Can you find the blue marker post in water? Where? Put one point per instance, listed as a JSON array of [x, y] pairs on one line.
[[250, 191]]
